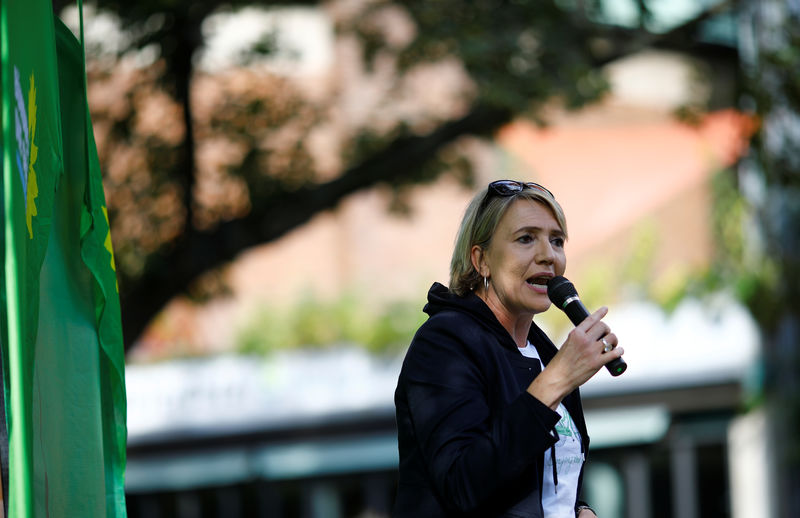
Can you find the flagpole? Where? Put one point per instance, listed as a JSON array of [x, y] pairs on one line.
[[3, 448]]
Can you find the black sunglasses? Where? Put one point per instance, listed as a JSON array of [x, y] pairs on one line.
[[510, 188]]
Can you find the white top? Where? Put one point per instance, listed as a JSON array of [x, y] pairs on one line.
[[559, 501]]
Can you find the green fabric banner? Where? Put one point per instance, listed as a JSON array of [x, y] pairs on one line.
[[31, 169], [62, 340]]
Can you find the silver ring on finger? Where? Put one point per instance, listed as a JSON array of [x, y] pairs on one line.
[[606, 346]]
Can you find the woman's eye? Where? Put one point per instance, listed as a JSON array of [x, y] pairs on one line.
[[558, 241], [525, 238]]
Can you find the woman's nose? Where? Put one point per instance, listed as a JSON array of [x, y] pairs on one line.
[[544, 253]]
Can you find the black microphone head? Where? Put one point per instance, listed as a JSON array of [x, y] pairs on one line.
[[559, 289]]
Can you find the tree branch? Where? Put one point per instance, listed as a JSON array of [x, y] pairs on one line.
[[172, 271]]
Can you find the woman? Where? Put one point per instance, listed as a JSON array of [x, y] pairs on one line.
[[488, 410]]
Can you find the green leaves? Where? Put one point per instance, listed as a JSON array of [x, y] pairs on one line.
[[314, 323], [519, 54]]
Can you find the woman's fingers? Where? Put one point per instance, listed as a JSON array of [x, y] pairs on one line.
[[593, 339], [609, 341], [594, 328], [588, 347], [592, 320]]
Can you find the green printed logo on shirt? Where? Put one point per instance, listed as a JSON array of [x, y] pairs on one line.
[[565, 426]]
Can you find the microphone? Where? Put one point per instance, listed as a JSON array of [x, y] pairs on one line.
[[563, 294]]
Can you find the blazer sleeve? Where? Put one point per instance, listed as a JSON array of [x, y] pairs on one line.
[[472, 451]]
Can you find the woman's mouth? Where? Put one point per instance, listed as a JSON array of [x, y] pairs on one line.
[[539, 283]]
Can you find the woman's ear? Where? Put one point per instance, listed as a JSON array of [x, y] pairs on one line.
[[478, 258]]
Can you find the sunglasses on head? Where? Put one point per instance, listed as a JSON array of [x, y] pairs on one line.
[[510, 188]]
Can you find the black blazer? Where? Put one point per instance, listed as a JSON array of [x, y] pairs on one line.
[[471, 438]]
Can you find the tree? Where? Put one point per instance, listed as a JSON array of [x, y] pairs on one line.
[[770, 179], [517, 56]]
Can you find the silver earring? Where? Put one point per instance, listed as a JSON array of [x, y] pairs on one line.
[[486, 283]]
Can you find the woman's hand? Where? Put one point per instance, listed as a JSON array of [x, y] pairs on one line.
[[577, 360], [586, 513]]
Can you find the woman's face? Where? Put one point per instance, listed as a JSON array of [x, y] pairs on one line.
[[527, 250]]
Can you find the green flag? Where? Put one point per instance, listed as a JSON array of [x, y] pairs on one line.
[[62, 340], [31, 169]]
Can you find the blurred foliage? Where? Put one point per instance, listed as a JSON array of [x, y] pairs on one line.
[[312, 323], [514, 51], [237, 124], [770, 55], [738, 264], [637, 266], [203, 164]]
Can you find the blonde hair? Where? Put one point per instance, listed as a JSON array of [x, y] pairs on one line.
[[478, 226]]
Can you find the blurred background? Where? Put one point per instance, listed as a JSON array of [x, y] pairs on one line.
[[285, 181]]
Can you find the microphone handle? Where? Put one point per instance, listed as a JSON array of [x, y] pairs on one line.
[[577, 313]]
